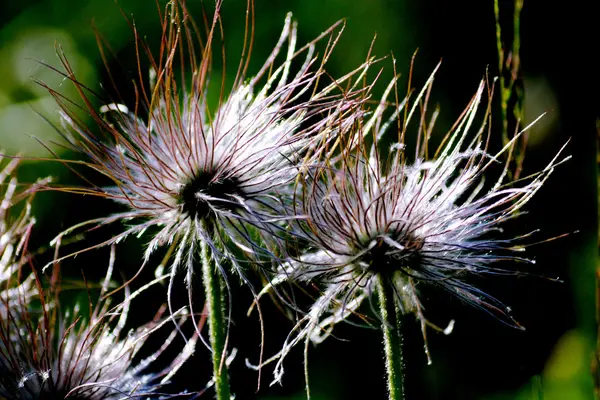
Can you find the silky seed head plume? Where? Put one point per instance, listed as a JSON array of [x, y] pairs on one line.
[[190, 174], [51, 354], [407, 223]]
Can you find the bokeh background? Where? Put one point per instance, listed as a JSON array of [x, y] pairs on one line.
[[482, 358]]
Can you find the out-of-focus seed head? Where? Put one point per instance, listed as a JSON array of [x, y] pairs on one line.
[[47, 353]]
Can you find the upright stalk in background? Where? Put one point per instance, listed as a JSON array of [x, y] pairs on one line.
[[392, 339], [512, 95], [217, 324], [596, 359]]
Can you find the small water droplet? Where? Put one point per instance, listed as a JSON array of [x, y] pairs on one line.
[[449, 328]]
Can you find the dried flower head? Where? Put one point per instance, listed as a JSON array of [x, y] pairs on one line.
[[192, 175], [48, 354], [425, 222]]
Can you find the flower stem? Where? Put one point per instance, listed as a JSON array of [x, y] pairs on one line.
[[392, 339], [217, 324]]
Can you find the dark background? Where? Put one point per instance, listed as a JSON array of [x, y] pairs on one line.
[[482, 358]]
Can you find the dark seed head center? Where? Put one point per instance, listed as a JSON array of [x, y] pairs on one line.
[[220, 190], [385, 258]]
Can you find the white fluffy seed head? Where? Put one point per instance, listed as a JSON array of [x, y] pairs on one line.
[[46, 353], [223, 176], [412, 223]]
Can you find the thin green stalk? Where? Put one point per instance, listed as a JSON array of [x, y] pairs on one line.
[[217, 324], [511, 90], [392, 339], [519, 90], [504, 93]]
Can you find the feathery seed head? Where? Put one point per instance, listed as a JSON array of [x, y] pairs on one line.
[[425, 222], [45, 354], [195, 175]]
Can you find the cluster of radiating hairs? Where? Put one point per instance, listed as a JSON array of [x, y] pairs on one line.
[[291, 172], [406, 218], [222, 177], [47, 352]]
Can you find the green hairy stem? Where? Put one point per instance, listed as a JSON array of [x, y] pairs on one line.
[[217, 324], [392, 340]]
